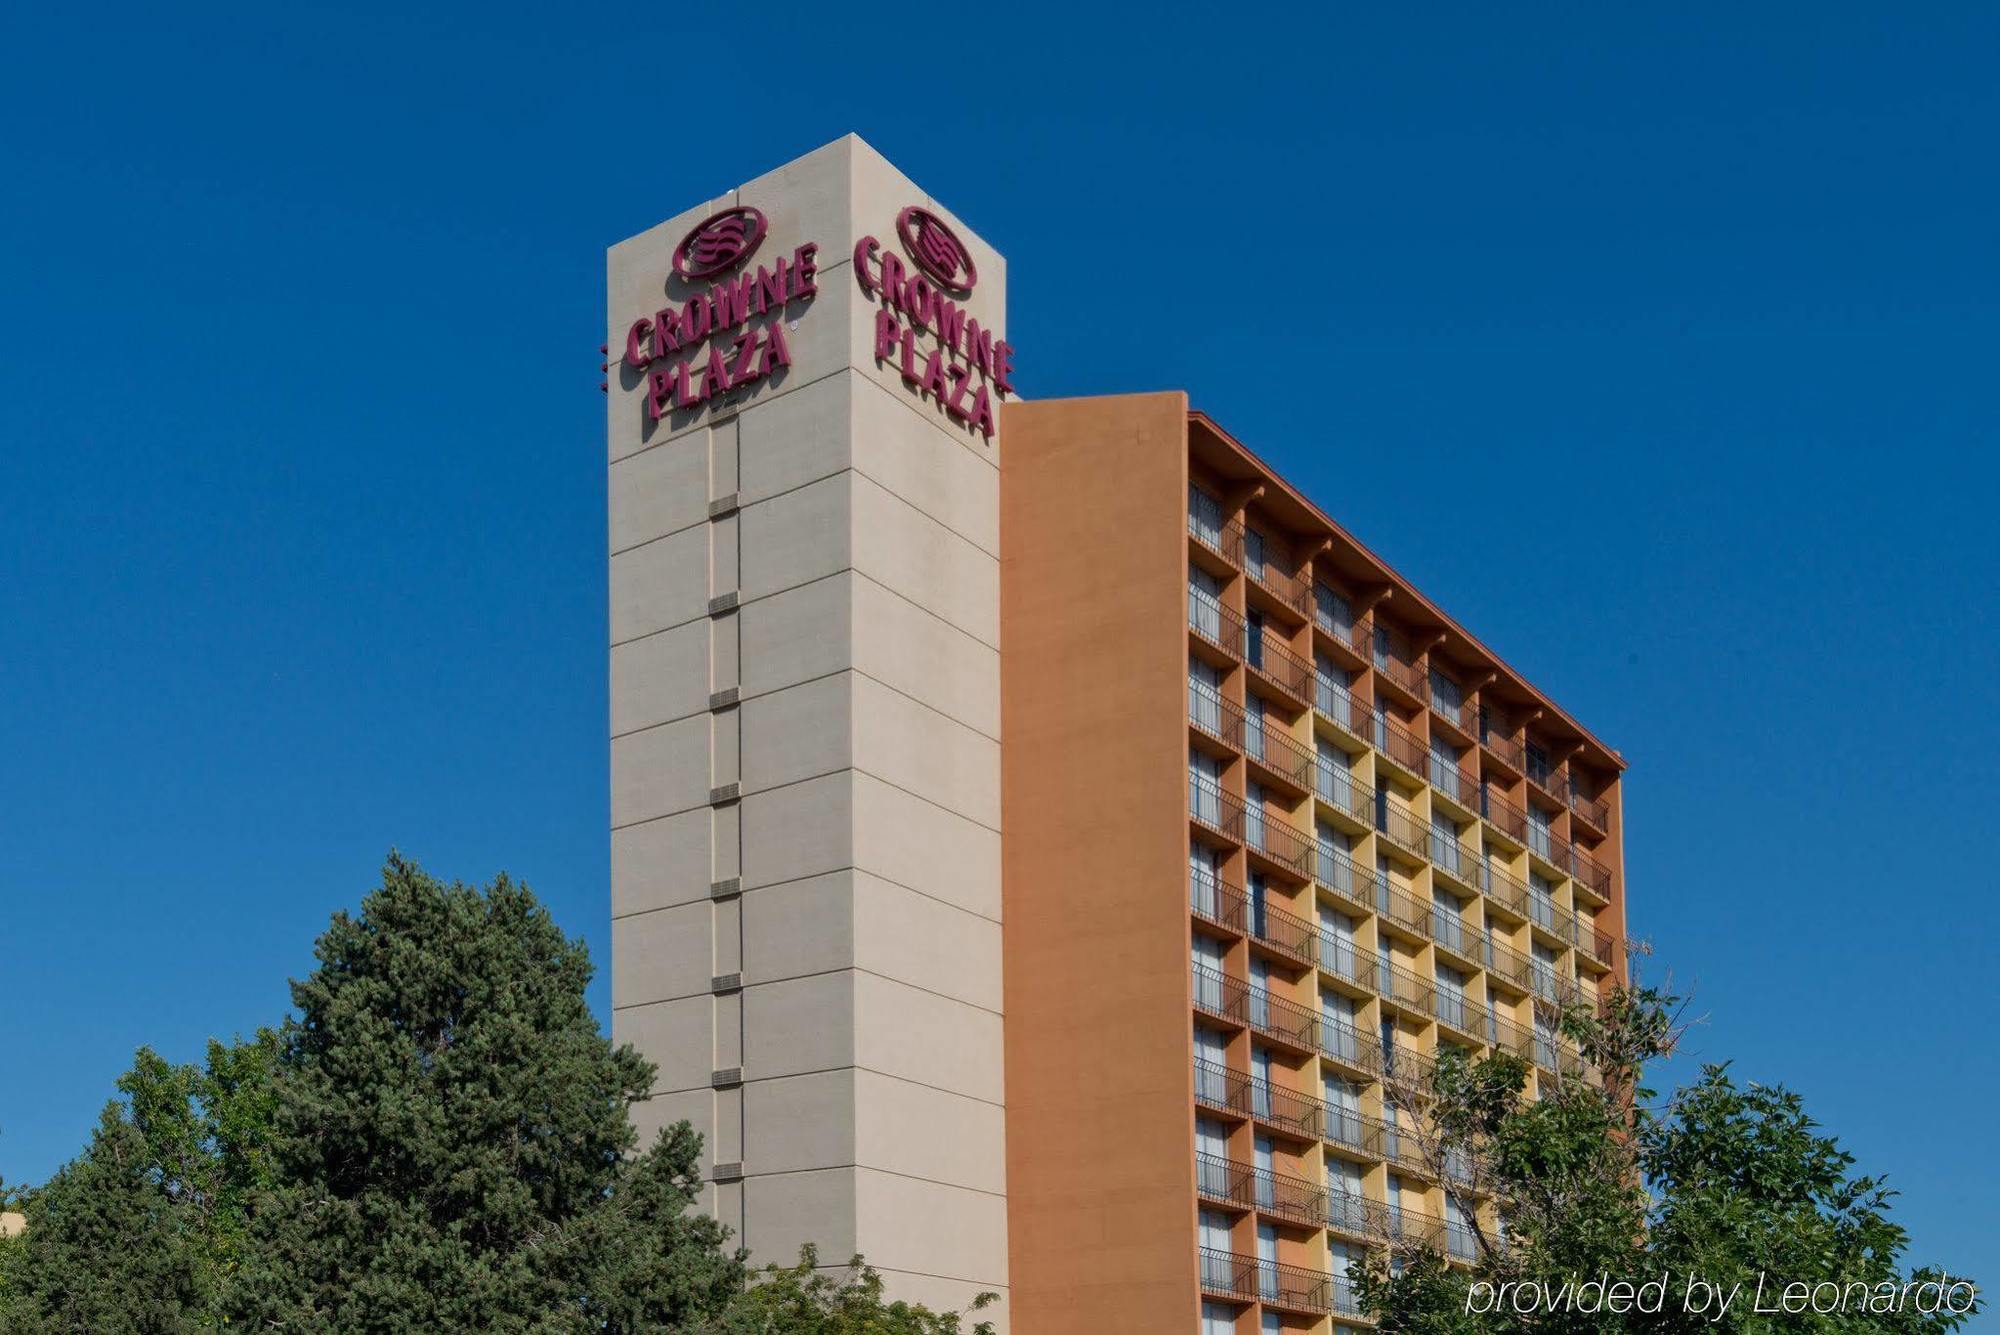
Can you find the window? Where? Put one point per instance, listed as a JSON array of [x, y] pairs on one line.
[[1216, 1270], [1446, 696], [1203, 882], [1254, 544], [1339, 1261], [1343, 1125], [1335, 870], [1260, 1081], [1204, 788], [1206, 953], [1253, 727], [1260, 993], [1273, 1324], [1538, 830], [1253, 817], [1444, 765], [1444, 842], [1267, 1260], [1539, 768], [1210, 1165], [1211, 1084], [1266, 1172], [1333, 775], [1204, 516], [1336, 943], [1205, 604], [1451, 997], [1448, 920], [1546, 974], [1332, 612], [1338, 1036], [1542, 900], [1205, 697], [1331, 684], [1458, 1229], [1216, 1318]]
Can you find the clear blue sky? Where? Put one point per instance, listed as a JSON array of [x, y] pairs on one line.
[[1660, 348]]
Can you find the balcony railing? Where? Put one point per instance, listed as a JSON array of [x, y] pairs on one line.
[[1263, 653], [1398, 743], [1286, 1021], [1208, 618], [1408, 989], [1270, 748], [1507, 890], [1282, 931], [1596, 814], [1454, 1010], [1339, 956], [1392, 659], [1406, 911], [1402, 828], [1217, 1086], [1417, 1229], [1207, 526], [1504, 815], [1455, 860], [1496, 734], [1355, 1131], [1505, 962], [1249, 1279], [1333, 700], [1219, 811], [1286, 1109], [1450, 932], [1217, 994], [1270, 835], [1273, 574], [1254, 1188], [1600, 946], [1336, 871], [1217, 900], [1509, 1037], [1342, 1042], [1215, 716], [1591, 873], [1336, 786], [1455, 783], [1356, 1215]]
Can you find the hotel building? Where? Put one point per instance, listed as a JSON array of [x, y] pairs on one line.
[[1043, 840]]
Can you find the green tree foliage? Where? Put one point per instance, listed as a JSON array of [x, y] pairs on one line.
[[1720, 1181], [438, 1140], [804, 1299]]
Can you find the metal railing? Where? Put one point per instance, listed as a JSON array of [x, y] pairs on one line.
[[1401, 827], [1406, 911], [1408, 989], [1217, 900], [1217, 1086], [1272, 836], [1398, 743], [1271, 748], [1450, 932], [1454, 1010], [1336, 786], [1356, 1215], [1337, 871], [1220, 811], [1496, 734], [1251, 1279], [1598, 814], [1339, 956], [1339, 705], [1509, 1037], [1455, 860], [1503, 815], [1505, 962], [1354, 1130], [1274, 575], [1263, 653], [1389, 651], [1207, 525], [1256, 1188], [1455, 783], [1507, 890], [1590, 872], [1282, 931]]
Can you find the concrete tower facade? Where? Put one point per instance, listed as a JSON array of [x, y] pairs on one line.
[[805, 711]]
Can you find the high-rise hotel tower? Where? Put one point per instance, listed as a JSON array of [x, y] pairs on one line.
[[1042, 839]]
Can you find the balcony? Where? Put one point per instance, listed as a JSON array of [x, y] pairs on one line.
[[1396, 664], [1402, 910], [1217, 994], [1408, 990], [1503, 815], [1336, 786], [1333, 619], [1268, 563], [1276, 754], [1279, 1021], [1214, 810], [1248, 1279], [1501, 740], [1214, 623], [1455, 1012], [1220, 1088], [1589, 873], [1508, 965], [1340, 707], [1595, 814], [1271, 837], [1401, 828], [1285, 933], [1218, 902], [1506, 890], [1339, 956], [1337, 872], [1451, 934], [1456, 784], [1400, 745], [1415, 1228], [1356, 1215], [1509, 1037], [1457, 862], [1264, 653], [1601, 948], [1355, 1132], [1341, 1042], [1264, 1190], [1207, 526]]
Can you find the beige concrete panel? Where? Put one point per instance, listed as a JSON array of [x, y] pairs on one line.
[[912, 746], [797, 635], [659, 678], [799, 1025], [919, 1036], [901, 452], [922, 656], [931, 1228], [729, 1022], [951, 1295], [800, 1122], [728, 1142], [785, 1211], [809, 199], [696, 1107], [726, 748], [799, 928], [902, 838], [662, 955], [727, 840], [660, 584], [660, 863], [725, 639], [918, 1131], [659, 771], [797, 537], [722, 452], [795, 439], [804, 829], [925, 942], [902, 548], [728, 937], [798, 733], [659, 491], [722, 555], [677, 1036]]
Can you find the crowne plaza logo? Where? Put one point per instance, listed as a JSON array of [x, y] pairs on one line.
[[937, 249], [720, 241]]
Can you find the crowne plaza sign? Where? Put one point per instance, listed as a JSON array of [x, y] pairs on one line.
[[923, 300], [729, 332]]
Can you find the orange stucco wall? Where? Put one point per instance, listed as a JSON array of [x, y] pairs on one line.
[[1100, 1139]]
